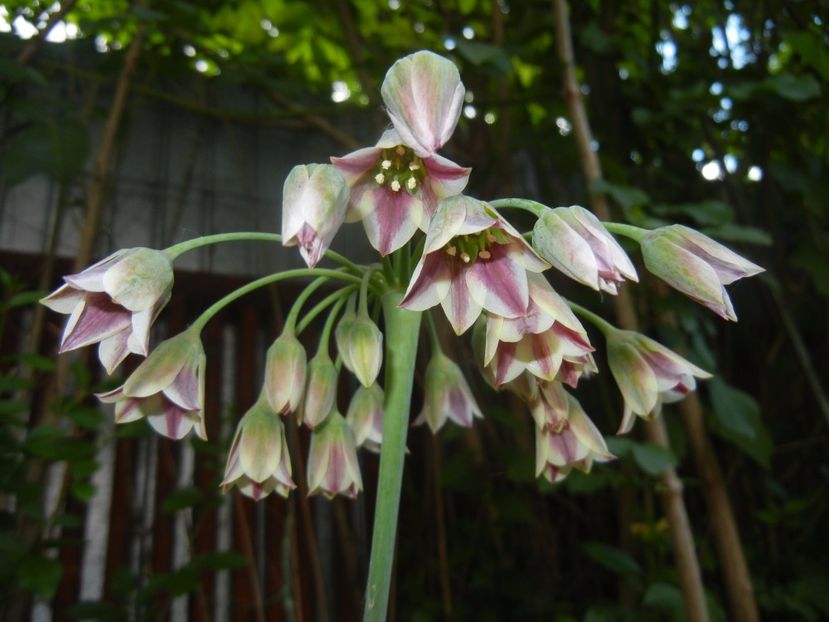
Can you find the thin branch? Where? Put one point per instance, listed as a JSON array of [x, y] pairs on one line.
[[31, 48]]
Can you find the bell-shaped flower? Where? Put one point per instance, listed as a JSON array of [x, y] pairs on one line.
[[320, 389], [314, 202], [285, 367], [365, 416], [114, 303], [360, 344], [648, 374], [258, 463], [446, 395], [394, 191], [167, 388], [696, 265], [567, 441], [332, 459], [574, 241], [540, 341], [472, 260]]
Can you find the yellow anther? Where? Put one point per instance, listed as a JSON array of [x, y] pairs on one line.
[[411, 184], [466, 258], [385, 165], [413, 166], [484, 255], [380, 178]]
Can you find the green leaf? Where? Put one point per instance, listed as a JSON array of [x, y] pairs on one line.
[[40, 575], [182, 499], [735, 417], [612, 558], [485, 54], [24, 298], [666, 597], [37, 361], [731, 232], [627, 197], [652, 458], [797, 88]]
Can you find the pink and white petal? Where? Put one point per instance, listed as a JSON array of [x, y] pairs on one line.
[[184, 390], [479, 216], [564, 448], [394, 219], [110, 397], [542, 354], [460, 307], [586, 431], [174, 423], [113, 350], [634, 377], [667, 362], [728, 265], [445, 177], [494, 326], [161, 368], [92, 278], [97, 319], [571, 253], [498, 284], [620, 259], [63, 300], [139, 279], [429, 284], [128, 410], [550, 303], [506, 365], [357, 163], [446, 223], [628, 418], [139, 338]]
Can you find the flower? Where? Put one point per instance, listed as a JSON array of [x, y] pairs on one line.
[[114, 302], [575, 242], [314, 202], [285, 367], [396, 185], [258, 462], [648, 374], [446, 395], [568, 440], [365, 416], [167, 388], [540, 341], [320, 390], [360, 344], [332, 459], [696, 265], [473, 259]]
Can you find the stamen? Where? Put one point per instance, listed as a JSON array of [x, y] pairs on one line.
[[490, 237], [395, 186], [413, 166], [400, 150], [484, 255], [385, 165], [411, 184], [380, 179], [451, 250], [466, 258]]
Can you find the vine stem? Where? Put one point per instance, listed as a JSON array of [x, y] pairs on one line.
[[534, 207], [402, 330]]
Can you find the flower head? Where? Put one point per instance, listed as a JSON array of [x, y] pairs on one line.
[[446, 395], [314, 201], [575, 242], [332, 459], [360, 344], [696, 265], [648, 374], [568, 439], [365, 416], [472, 260], [114, 303], [167, 389], [258, 462], [285, 367]]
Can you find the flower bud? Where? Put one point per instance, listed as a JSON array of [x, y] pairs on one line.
[[285, 367], [696, 265], [321, 390], [360, 343], [258, 462], [365, 416], [446, 395], [332, 459]]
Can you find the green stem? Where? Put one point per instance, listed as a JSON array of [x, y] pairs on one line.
[[603, 325], [629, 231], [402, 330], [290, 322], [534, 207], [220, 304], [364, 292], [329, 325], [433, 332], [182, 247], [322, 305]]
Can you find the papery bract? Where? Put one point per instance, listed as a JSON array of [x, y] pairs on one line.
[[114, 303], [167, 389], [648, 374], [314, 202], [696, 265], [258, 462], [574, 241], [285, 369], [365, 416], [332, 459], [472, 260], [446, 395]]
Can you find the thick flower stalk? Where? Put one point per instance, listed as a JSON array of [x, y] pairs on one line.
[[332, 459], [473, 260], [258, 463], [114, 303], [696, 265], [167, 389]]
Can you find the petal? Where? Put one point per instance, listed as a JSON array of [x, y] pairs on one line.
[[139, 278], [460, 307], [92, 278], [499, 284], [445, 178], [64, 299], [634, 377], [549, 302], [507, 366], [728, 265], [557, 242], [542, 354], [446, 223], [113, 350], [184, 390], [429, 284], [357, 163], [139, 337], [97, 319], [163, 365], [393, 219], [175, 423]]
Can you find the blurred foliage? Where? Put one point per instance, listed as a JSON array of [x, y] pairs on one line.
[[711, 113]]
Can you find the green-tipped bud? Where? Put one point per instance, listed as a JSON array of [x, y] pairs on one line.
[[447, 395], [332, 459], [360, 343], [285, 368], [365, 416], [321, 390]]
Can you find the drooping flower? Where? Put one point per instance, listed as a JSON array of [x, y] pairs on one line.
[[446, 395], [320, 389], [285, 368], [396, 185], [696, 265], [333, 468], [541, 341], [258, 463], [472, 260], [648, 374], [360, 344], [574, 241], [365, 416], [114, 303], [167, 388], [314, 202], [568, 440]]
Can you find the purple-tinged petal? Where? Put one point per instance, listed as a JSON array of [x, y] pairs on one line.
[[460, 307], [506, 366], [634, 377], [110, 397], [63, 300], [393, 221], [139, 278], [429, 284], [499, 284], [184, 390], [161, 368], [92, 278], [175, 423], [357, 163], [542, 354], [728, 265], [97, 319], [444, 179], [446, 223], [565, 249], [113, 350]]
